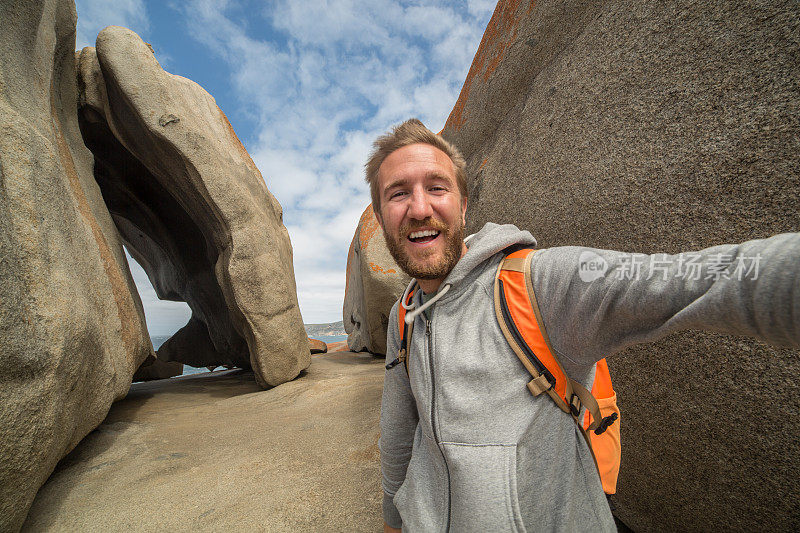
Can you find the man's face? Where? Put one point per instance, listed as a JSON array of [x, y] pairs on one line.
[[422, 212]]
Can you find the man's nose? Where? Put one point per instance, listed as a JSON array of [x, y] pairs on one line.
[[420, 207]]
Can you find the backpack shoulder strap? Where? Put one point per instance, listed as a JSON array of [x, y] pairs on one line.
[[520, 320], [405, 335]]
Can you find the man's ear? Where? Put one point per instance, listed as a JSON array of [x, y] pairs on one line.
[[378, 216]]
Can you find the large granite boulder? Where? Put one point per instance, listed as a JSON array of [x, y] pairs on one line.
[[154, 368], [72, 329], [374, 283], [193, 210], [316, 346], [657, 127]]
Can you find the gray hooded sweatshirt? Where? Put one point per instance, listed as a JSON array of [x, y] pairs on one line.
[[466, 447]]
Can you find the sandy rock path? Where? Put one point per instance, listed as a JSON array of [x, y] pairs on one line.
[[214, 452]]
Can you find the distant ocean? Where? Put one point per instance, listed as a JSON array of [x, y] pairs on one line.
[[330, 338], [158, 340]]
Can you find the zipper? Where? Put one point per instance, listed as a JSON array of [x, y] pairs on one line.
[[512, 327], [433, 416]]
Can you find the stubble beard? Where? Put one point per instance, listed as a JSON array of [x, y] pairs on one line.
[[454, 239]]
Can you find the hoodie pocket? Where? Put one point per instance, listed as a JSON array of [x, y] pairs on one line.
[[422, 498], [483, 487]]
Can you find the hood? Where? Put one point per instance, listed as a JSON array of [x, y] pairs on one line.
[[491, 239]]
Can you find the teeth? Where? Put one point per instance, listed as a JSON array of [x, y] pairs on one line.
[[425, 233]]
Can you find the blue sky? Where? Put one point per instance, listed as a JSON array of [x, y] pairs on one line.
[[307, 86]]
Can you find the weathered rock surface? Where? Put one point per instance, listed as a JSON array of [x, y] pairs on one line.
[[657, 127], [72, 330], [154, 368], [374, 283], [192, 342], [340, 346], [193, 209], [317, 346], [212, 452]]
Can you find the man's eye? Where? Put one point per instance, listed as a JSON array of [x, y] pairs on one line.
[[396, 194]]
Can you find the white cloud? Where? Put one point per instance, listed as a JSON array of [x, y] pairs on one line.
[[336, 23], [278, 165], [94, 15], [481, 8], [429, 22]]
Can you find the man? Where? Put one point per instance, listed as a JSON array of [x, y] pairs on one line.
[[464, 445]]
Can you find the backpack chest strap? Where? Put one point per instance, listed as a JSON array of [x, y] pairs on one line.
[[405, 331]]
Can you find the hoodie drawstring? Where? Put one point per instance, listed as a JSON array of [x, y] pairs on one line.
[[413, 313]]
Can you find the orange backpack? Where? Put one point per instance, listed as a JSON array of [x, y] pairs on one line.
[[520, 320]]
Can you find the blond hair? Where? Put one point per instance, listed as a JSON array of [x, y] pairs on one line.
[[412, 131]]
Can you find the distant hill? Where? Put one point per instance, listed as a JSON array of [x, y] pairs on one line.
[[334, 328]]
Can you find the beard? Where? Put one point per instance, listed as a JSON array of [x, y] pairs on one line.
[[420, 268]]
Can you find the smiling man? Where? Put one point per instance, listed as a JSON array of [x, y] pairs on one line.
[[464, 444], [422, 205]]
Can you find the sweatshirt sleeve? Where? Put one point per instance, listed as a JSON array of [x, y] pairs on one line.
[[597, 302], [399, 420]]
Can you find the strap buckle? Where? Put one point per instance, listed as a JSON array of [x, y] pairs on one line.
[[575, 405], [539, 385], [401, 356], [603, 425]]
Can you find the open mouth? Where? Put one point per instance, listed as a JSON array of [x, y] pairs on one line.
[[423, 236]]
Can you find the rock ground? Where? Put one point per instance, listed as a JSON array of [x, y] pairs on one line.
[[215, 452]]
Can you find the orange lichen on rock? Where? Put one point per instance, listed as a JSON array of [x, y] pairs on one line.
[[500, 33], [238, 143], [340, 346], [369, 225], [378, 268]]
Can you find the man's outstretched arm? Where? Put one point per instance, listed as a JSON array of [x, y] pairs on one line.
[[597, 302], [399, 420]]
